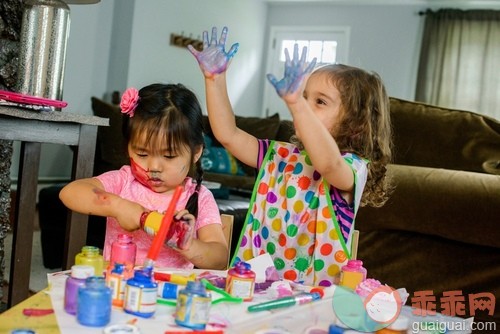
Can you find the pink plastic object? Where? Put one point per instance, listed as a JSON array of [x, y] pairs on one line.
[[352, 274], [159, 238], [123, 250], [366, 287]]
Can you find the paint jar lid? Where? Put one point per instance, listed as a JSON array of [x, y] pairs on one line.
[[82, 271], [122, 329]]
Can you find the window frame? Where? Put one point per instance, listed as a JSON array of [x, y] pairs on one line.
[[340, 34]]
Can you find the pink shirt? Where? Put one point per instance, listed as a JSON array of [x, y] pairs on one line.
[[122, 183]]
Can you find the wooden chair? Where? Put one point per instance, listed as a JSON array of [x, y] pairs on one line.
[[227, 228]]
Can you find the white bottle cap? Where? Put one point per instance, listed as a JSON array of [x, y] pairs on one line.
[[82, 271]]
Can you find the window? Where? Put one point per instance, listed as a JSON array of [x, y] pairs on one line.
[[324, 51], [328, 44]]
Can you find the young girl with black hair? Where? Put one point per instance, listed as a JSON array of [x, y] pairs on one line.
[[164, 131]]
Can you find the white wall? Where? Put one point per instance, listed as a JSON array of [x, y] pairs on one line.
[[85, 75], [106, 54], [384, 39], [153, 59], [120, 43]]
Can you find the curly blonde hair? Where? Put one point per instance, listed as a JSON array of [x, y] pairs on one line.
[[365, 125]]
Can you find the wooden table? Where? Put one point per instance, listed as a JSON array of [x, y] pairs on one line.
[[32, 129], [14, 318]]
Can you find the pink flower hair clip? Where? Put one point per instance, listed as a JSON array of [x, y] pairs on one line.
[[129, 101]]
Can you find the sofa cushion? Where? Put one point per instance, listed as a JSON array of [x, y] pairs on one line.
[[431, 136], [262, 128], [285, 131], [111, 149], [459, 206]]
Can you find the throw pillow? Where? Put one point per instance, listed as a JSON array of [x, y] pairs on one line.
[[262, 128], [219, 160]]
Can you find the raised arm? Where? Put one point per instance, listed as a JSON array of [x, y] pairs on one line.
[[214, 61], [88, 196], [317, 140]]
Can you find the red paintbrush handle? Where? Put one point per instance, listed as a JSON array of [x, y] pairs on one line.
[[159, 238]]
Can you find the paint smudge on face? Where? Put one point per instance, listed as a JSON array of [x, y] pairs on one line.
[[139, 173]]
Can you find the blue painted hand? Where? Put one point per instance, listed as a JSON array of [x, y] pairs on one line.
[[296, 71], [214, 59]]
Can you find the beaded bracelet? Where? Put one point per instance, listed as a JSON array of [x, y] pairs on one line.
[[143, 218]]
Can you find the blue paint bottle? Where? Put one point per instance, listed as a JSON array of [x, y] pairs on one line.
[[94, 303], [193, 306], [168, 290], [140, 293]]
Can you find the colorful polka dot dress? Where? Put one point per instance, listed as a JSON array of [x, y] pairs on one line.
[[292, 217]]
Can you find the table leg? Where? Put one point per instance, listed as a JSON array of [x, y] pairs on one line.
[[20, 265], [83, 167]]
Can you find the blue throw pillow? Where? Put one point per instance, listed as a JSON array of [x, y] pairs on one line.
[[218, 160]]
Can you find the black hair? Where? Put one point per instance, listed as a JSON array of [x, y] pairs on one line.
[[171, 112]]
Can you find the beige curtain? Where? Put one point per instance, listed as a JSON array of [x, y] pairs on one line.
[[460, 60]]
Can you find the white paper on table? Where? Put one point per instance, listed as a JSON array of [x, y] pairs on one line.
[[221, 314], [259, 266]]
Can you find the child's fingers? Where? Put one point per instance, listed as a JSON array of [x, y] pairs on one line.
[[272, 79], [295, 52], [233, 50], [311, 66], [205, 39], [193, 51], [287, 57], [213, 39], [223, 36]]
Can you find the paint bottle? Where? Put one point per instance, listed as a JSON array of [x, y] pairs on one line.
[[79, 273], [140, 293], [352, 274], [90, 256], [168, 290], [193, 306], [94, 303], [116, 280], [240, 281], [123, 250]]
